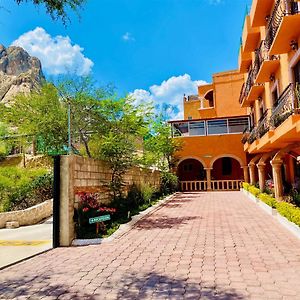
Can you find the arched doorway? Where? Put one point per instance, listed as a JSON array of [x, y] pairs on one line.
[[191, 169], [227, 168], [192, 175]]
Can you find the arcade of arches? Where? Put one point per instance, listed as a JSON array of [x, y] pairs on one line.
[[226, 173], [278, 169]]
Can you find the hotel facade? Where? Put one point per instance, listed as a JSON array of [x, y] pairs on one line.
[[245, 125]]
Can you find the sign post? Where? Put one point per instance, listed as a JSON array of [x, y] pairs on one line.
[[98, 220]]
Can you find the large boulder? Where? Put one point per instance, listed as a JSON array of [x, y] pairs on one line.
[[19, 72]]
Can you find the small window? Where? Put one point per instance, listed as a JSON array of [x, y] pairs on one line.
[[226, 166], [190, 118]]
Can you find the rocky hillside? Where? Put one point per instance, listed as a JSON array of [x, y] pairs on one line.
[[19, 72]]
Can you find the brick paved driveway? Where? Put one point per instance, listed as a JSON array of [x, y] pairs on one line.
[[200, 245]]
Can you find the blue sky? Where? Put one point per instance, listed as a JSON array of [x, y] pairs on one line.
[[160, 48]]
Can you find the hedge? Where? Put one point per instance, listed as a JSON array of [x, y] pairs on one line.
[[287, 210]]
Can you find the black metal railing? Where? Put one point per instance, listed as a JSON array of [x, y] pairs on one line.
[[262, 125], [252, 136], [281, 9], [287, 104], [252, 73], [262, 54]]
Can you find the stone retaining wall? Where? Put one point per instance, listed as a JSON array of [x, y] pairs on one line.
[[28, 216]]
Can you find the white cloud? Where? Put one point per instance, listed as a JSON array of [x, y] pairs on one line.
[[169, 93], [128, 37], [57, 54]]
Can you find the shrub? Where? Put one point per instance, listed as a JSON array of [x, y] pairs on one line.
[[90, 207], [21, 188], [147, 192], [269, 200], [246, 186], [289, 211], [254, 190], [169, 183]]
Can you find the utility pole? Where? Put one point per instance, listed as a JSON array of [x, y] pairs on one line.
[[69, 128]]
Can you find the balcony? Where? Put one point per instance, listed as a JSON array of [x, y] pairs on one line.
[[244, 59], [190, 128], [260, 9], [251, 90], [288, 104], [250, 36], [260, 130], [283, 26], [266, 64]]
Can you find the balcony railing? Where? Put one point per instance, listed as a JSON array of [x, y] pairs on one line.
[[262, 54], [263, 125], [281, 9], [249, 82], [209, 127], [288, 104]]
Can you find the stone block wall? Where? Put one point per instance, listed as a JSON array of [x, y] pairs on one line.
[[28, 216], [81, 174]]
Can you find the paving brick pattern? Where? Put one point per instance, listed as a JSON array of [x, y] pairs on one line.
[[197, 246]]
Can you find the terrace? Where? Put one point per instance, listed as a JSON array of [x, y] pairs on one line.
[[221, 126]]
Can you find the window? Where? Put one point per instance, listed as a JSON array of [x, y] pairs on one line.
[[180, 129], [226, 166], [197, 128], [216, 126], [237, 125], [210, 97]]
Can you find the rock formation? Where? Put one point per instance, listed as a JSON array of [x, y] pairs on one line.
[[19, 72]]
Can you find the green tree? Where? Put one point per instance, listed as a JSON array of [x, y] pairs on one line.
[[120, 142], [57, 9], [86, 107], [40, 114], [4, 144], [160, 147]]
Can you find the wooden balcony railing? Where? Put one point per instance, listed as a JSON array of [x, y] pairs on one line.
[[281, 9], [288, 104]]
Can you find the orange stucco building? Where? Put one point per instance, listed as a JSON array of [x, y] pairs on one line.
[[212, 156], [264, 92]]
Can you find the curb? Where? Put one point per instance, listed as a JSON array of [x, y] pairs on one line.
[[124, 228], [290, 226]]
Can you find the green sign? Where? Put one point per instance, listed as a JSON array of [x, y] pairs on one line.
[[99, 219]]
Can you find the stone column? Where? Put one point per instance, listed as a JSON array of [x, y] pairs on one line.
[[252, 173], [277, 178], [208, 178], [261, 175], [246, 174]]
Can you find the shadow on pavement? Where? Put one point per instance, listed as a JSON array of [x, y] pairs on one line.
[[163, 222], [156, 286], [39, 287]]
